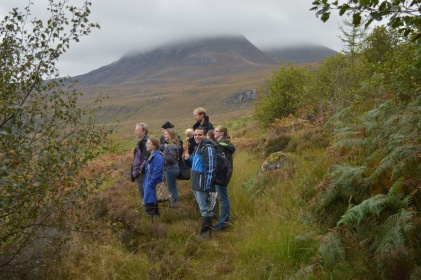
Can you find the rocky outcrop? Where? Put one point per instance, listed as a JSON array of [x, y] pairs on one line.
[[242, 98]]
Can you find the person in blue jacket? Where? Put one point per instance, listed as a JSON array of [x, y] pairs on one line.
[[153, 175], [203, 164]]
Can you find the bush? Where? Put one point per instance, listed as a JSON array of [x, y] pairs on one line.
[[287, 92]]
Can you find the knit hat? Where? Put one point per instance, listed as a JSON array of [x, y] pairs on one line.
[[167, 125]]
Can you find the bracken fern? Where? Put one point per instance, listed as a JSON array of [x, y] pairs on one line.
[[376, 184]]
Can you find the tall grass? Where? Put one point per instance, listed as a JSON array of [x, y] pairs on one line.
[[277, 237]]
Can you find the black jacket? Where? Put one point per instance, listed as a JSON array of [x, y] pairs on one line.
[[225, 146], [140, 156], [206, 124]]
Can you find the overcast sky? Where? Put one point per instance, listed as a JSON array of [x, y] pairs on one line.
[[139, 25]]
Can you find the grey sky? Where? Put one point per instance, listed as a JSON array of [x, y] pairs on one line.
[[138, 25]]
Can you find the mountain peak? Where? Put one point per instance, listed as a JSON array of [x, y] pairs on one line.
[[199, 58], [187, 59]]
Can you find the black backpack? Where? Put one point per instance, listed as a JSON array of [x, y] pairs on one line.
[[223, 171], [223, 167], [184, 173], [180, 149]]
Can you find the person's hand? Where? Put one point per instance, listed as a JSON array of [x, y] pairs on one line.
[[186, 156]]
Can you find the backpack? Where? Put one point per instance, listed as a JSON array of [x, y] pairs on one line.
[[223, 171], [180, 149], [223, 167], [184, 173]]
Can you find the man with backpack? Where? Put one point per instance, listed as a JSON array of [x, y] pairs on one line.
[[225, 151], [140, 155], [203, 164]]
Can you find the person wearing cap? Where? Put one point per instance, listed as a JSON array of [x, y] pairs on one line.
[[162, 140], [163, 127]]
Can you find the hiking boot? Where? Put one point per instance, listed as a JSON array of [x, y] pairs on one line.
[[218, 227], [212, 199], [205, 228], [214, 215]]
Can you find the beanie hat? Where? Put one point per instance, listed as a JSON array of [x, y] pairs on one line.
[[167, 125]]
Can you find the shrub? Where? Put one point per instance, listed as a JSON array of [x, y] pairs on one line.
[[287, 92]]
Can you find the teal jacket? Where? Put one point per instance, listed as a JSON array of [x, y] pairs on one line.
[[203, 165]]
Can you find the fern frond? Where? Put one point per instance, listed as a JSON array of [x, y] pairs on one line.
[[393, 232], [359, 213], [342, 183], [339, 116], [331, 249], [396, 159], [329, 195], [350, 143], [397, 186]]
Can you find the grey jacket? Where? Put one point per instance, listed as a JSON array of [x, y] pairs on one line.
[[171, 156]]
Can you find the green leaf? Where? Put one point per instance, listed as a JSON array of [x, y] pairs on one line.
[[356, 19], [343, 9], [376, 15], [325, 17]]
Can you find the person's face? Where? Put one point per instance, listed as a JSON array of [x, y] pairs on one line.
[[149, 146], [197, 117], [138, 132], [190, 134], [199, 136], [217, 133], [166, 135]]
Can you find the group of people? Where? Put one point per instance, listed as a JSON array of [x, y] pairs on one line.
[[157, 160]]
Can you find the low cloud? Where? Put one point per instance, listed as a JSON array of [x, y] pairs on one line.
[[128, 25]]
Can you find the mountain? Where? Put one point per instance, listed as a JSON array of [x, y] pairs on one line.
[[300, 54], [225, 75], [187, 61]]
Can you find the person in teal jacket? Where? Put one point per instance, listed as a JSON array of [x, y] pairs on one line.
[[203, 164]]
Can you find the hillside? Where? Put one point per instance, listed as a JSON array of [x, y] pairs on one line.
[[222, 74], [187, 61], [300, 54]]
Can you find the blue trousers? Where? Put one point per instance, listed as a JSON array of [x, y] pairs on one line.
[[171, 180], [202, 201], [139, 181], [224, 218]]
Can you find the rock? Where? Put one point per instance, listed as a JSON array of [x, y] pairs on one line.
[[274, 161]]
